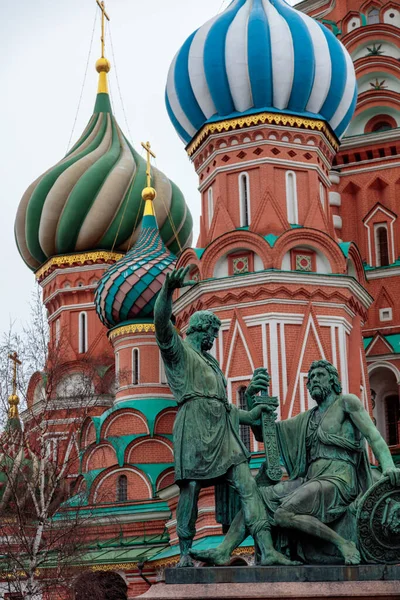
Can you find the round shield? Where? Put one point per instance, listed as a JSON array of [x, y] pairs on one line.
[[378, 523]]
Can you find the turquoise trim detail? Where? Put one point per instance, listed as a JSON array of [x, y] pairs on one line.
[[367, 341], [199, 252], [345, 247], [271, 239]]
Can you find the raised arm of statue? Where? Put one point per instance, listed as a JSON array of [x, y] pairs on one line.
[[163, 305], [364, 423]]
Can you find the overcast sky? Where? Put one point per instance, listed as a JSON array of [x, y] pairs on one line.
[[46, 51]]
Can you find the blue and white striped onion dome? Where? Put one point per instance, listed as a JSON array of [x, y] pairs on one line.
[[256, 56]]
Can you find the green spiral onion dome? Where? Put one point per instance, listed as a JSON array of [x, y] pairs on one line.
[[91, 199]]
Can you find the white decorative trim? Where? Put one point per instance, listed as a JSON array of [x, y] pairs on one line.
[[382, 364], [83, 339], [310, 325], [244, 198], [385, 314], [292, 209], [265, 277], [290, 164], [337, 221]]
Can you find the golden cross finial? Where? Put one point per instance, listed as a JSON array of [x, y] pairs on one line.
[[150, 153], [16, 361], [104, 16], [13, 400]]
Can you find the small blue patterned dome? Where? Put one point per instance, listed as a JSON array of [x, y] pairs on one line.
[[128, 290], [260, 55]]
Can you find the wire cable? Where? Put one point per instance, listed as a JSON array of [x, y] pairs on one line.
[[84, 82], [118, 85]]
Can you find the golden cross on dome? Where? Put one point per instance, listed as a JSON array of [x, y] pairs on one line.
[[16, 361], [150, 153], [104, 16]]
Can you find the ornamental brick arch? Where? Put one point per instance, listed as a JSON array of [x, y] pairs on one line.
[[189, 258], [165, 421], [99, 456], [88, 434], [35, 381], [314, 239], [149, 451], [165, 479], [228, 243], [126, 421], [356, 259], [378, 119], [104, 488]]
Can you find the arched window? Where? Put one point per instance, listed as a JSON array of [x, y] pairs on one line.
[[57, 331], [163, 376], [373, 16], [135, 366], [210, 205], [382, 246], [122, 488], [244, 429], [392, 410], [83, 333], [381, 126], [244, 198], [322, 195], [291, 197], [117, 369]]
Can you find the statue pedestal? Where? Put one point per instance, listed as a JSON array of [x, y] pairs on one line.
[[367, 582]]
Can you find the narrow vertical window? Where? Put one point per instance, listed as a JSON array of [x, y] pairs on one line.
[[163, 375], [244, 198], [382, 246], [135, 366], [83, 333], [122, 488], [373, 16], [291, 197], [322, 195], [57, 331], [392, 409], [244, 429], [117, 370], [210, 205]]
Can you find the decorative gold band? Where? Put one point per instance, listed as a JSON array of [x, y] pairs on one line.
[[257, 119], [132, 328], [77, 259]]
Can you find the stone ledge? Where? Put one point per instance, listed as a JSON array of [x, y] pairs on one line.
[[307, 573], [342, 590]]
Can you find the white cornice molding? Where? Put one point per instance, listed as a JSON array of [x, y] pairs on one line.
[[70, 270], [379, 167], [363, 140], [290, 164], [226, 284], [383, 273]]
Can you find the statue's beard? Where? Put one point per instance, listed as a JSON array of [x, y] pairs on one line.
[[207, 342], [319, 392]]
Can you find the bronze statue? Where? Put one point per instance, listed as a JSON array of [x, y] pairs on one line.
[[207, 445], [325, 456]]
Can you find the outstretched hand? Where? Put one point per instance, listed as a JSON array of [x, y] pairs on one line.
[[394, 476], [176, 279]]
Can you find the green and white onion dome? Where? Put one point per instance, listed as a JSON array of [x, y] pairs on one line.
[[91, 199]]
